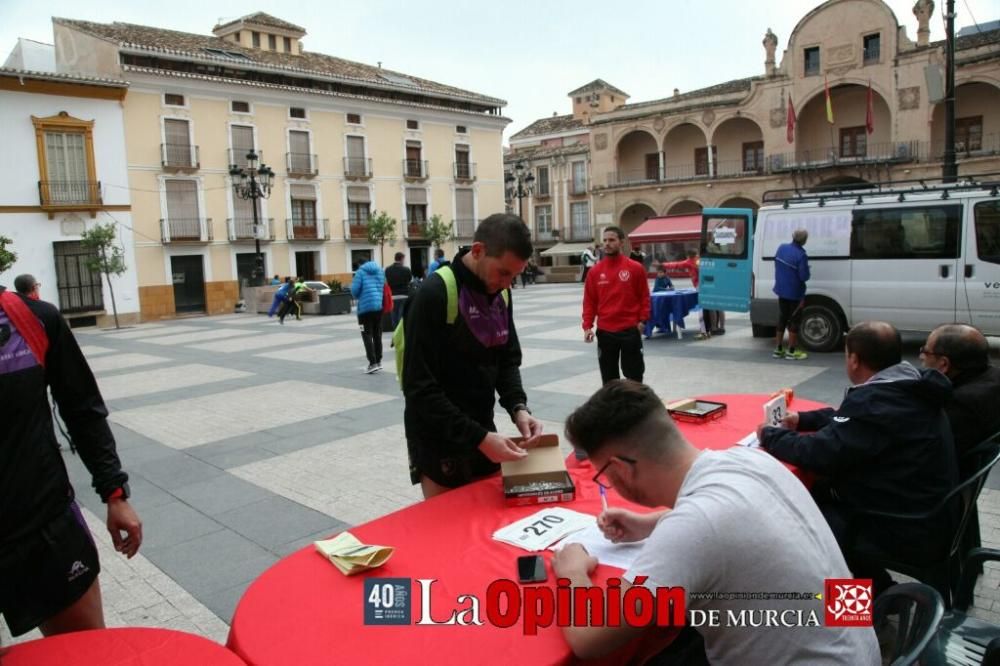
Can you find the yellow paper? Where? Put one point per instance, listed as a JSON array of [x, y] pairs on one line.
[[350, 556]]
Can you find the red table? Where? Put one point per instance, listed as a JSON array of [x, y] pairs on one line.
[[120, 647], [303, 611]]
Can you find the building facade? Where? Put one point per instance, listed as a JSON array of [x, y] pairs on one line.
[[65, 171], [344, 139]]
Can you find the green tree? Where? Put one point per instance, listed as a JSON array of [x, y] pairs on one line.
[[438, 232], [381, 230], [108, 257], [7, 257]]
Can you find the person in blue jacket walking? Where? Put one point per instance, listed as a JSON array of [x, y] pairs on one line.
[[280, 295], [367, 291], [791, 272]]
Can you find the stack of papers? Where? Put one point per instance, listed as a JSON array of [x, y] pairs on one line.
[[351, 556], [620, 555], [543, 528]]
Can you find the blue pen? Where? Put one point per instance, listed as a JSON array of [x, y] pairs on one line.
[[604, 497]]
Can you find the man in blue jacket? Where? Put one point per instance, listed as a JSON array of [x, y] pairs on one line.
[[791, 272], [366, 289]]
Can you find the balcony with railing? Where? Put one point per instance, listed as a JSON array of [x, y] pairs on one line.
[[303, 165], [415, 169], [872, 54], [358, 168], [307, 229], [186, 230], [242, 229], [464, 172], [69, 194], [545, 235], [238, 157], [859, 153], [179, 157], [415, 229], [465, 228], [581, 233], [577, 188], [356, 229], [968, 147]]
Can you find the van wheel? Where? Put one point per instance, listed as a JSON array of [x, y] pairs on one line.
[[762, 331], [820, 328]]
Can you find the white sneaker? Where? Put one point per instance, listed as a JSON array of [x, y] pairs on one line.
[[379, 365], [371, 368]]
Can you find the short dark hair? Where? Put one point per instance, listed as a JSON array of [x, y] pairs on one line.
[[503, 232], [965, 346], [24, 284], [617, 231], [623, 410], [399, 256], [438, 253], [877, 344]]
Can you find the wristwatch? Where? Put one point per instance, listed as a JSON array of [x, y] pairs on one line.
[[517, 408], [121, 492]]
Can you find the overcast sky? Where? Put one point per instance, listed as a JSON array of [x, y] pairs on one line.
[[528, 53]]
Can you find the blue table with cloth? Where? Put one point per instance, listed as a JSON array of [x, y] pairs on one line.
[[670, 307]]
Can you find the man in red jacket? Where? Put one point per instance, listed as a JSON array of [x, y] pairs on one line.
[[617, 293]]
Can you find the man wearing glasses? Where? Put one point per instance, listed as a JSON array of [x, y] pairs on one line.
[[737, 521]]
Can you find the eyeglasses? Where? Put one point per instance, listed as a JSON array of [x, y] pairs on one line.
[[605, 483], [927, 352]]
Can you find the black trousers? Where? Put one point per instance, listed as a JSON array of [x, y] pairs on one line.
[[371, 334], [625, 346]]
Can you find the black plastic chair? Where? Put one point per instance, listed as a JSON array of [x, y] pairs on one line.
[[942, 574], [919, 609], [963, 640]]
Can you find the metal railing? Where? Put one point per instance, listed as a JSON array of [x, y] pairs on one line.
[[415, 229], [69, 192], [542, 192], [416, 169], [465, 228], [190, 229], [872, 55], [464, 170], [300, 229], [238, 156], [301, 164], [551, 234], [816, 158], [355, 229], [579, 233], [982, 146], [179, 156], [358, 167], [242, 228]]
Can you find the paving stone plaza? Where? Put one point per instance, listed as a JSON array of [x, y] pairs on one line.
[[246, 440]]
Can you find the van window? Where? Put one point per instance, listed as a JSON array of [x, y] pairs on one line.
[[988, 231], [906, 233], [725, 237]]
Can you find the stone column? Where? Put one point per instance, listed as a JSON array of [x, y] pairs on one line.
[[923, 10], [770, 44]]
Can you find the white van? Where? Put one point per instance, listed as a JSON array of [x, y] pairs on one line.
[[917, 258]]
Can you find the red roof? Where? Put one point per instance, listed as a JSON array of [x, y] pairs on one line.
[[671, 228]]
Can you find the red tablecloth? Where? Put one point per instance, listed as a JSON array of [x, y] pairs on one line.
[[120, 647], [303, 611]]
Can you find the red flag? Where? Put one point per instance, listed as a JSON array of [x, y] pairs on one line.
[[790, 122], [870, 114]]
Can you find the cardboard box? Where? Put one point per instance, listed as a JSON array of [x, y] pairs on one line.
[[544, 463], [696, 411]]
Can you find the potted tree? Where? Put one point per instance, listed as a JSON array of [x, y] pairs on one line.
[[338, 301]]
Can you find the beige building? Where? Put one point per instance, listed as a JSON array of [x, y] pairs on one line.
[[727, 144], [344, 139]]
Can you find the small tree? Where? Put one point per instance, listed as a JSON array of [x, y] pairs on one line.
[[438, 232], [381, 230], [7, 257], [108, 257]]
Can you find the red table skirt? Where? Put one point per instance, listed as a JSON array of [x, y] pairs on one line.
[[120, 647]]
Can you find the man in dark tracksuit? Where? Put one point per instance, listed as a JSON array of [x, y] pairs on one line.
[[48, 562], [887, 448], [451, 373]]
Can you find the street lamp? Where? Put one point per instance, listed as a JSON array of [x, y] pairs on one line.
[[519, 184], [253, 183]]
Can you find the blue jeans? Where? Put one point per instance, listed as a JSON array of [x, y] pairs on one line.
[[274, 305]]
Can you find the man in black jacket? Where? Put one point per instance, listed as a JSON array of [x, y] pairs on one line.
[[48, 561], [452, 372], [887, 448], [398, 277]]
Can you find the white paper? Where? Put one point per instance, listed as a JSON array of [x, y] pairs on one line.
[[542, 529], [620, 555], [750, 441], [775, 410]]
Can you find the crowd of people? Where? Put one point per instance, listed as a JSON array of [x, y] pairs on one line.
[[725, 520]]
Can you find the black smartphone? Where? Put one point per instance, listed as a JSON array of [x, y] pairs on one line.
[[531, 569]]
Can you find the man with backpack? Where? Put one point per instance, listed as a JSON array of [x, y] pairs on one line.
[[459, 350]]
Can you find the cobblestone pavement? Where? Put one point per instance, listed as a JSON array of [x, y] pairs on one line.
[[246, 440]]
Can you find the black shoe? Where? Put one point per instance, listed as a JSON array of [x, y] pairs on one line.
[[719, 331]]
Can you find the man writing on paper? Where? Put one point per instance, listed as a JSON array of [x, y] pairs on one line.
[[452, 372], [715, 536], [887, 448]]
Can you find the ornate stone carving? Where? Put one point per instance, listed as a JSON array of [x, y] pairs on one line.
[[770, 44], [708, 117], [839, 55], [600, 141], [659, 123], [778, 117], [908, 98], [923, 9]]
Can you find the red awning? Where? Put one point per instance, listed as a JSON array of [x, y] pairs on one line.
[[672, 228]]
